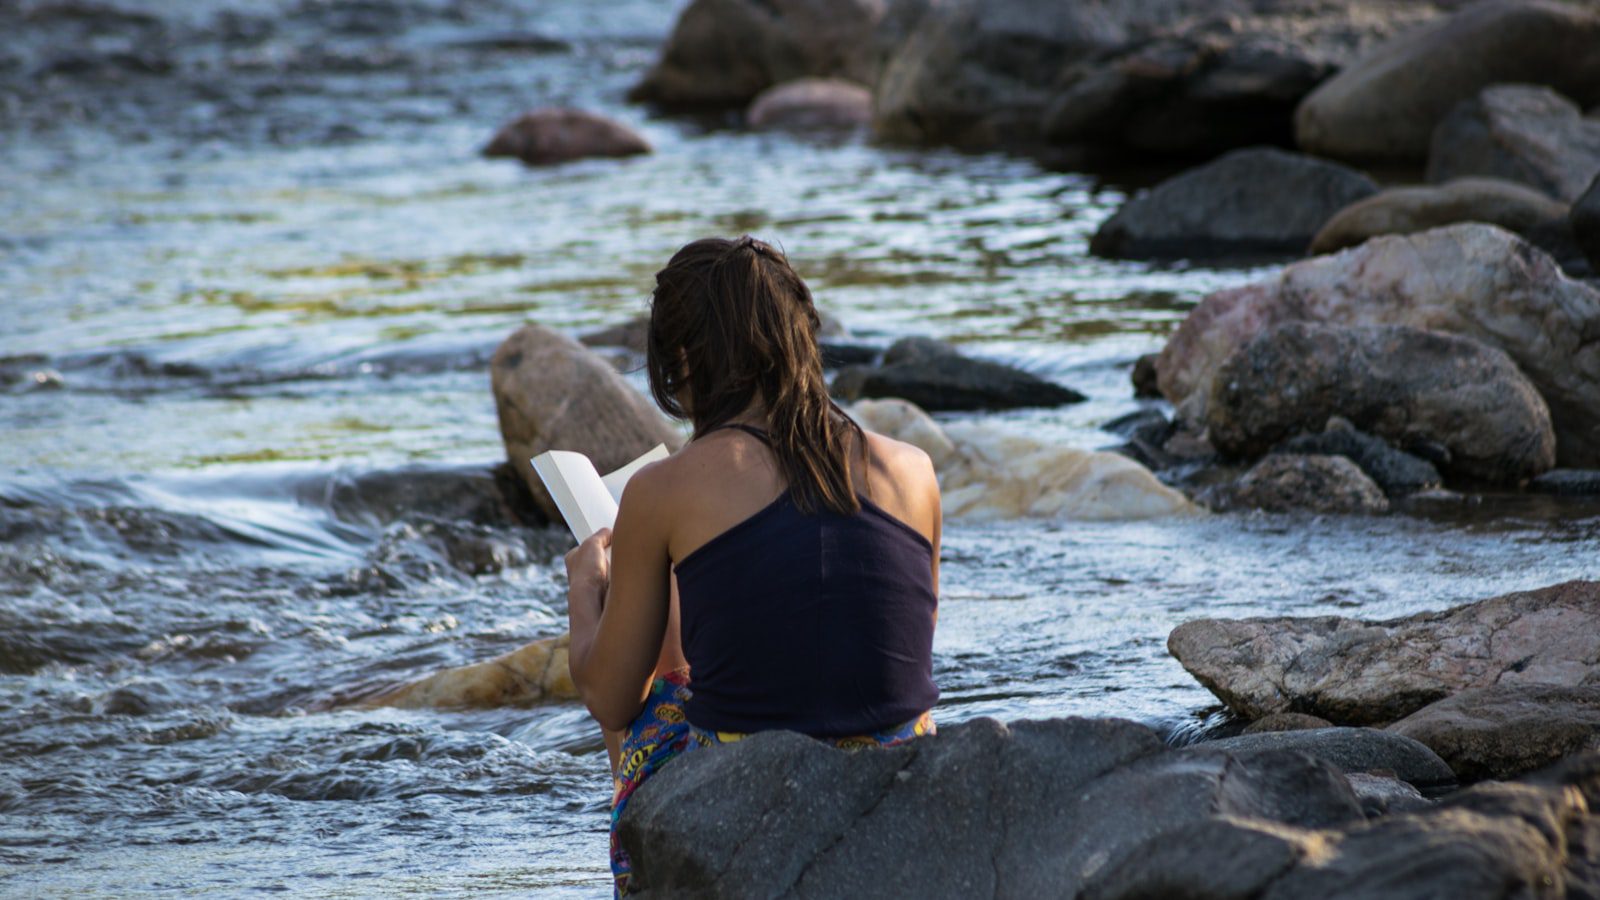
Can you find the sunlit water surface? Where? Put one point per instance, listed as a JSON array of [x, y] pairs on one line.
[[278, 267]]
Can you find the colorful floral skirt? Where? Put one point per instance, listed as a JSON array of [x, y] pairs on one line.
[[661, 733]]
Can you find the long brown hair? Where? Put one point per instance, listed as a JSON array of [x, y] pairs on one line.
[[731, 321]]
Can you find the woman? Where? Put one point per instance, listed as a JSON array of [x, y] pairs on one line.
[[798, 551]]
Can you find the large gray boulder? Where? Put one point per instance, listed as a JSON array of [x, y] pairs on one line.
[[1505, 730], [1472, 280], [937, 377], [1521, 133], [1400, 383], [1258, 200], [1352, 672], [1219, 81], [1407, 210], [1085, 808], [551, 393], [1378, 108], [724, 52]]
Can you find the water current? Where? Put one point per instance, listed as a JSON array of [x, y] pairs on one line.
[[251, 270]]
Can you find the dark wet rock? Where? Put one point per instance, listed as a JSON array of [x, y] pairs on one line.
[[935, 376], [1397, 382], [838, 354], [1377, 107], [1397, 472], [1354, 750], [1286, 483], [981, 809], [1473, 280], [483, 495], [724, 52], [808, 104], [556, 135], [1093, 809], [1568, 482], [1147, 424], [552, 394], [424, 549], [1286, 721], [1353, 672], [1514, 207], [1146, 383], [1506, 730], [1585, 222], [1381, 795], [1252, 201], [1226, 79], [1530, 135]]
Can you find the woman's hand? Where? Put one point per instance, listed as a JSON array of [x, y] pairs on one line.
[[588, 577]]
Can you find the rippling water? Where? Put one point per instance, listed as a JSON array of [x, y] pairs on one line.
[[253, 270]]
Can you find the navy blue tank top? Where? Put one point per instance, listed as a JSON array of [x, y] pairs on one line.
[[820, 623]]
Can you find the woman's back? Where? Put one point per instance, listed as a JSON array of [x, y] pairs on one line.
[[816, 622]]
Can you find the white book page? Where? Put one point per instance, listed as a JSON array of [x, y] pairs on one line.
[[579, 493], [587, 501]]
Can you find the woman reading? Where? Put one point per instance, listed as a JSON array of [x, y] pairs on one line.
[[785, 558]]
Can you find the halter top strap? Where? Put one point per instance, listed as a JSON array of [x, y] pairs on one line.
[[753, 431]]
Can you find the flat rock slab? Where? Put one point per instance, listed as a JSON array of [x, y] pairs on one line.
[[1088, 808], [1568, 483], [1363, 673], [1506, 730], [1354, 750]]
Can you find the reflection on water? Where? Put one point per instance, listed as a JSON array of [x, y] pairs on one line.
[[254, 271]]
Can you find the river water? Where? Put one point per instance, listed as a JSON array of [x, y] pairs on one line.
[[252, 271]]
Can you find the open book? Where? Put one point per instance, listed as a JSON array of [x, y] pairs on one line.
[[587, 501]]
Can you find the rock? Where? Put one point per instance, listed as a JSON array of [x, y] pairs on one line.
[[1400, 383], [1361, 673], [1407, 210], [1354, 750], [1473, 280], [536, 672], [552, 394], [1253, 201], [811, 103], [1568, 482], [477, 494], [1146, 383], [985, 473], [1219, 81], [936, 377], [1085, 808], [1503, 731], [1378, 109], [725, 52], [1286, 483], [1396, 472], [555, 135], [1521, 133], [1285, 722], [1147, 424], [1585, 222], [979, 73], [1381, 795]]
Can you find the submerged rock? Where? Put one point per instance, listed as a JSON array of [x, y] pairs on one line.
[[811, 104], [536, 672], [552, 394], [1360, 673], [1378, 107], [986, 474], [935, 376], [1290, 482], [725, 52], [1568, 482], [1473, 280], [548, 136], [1400, 383], [1514, 207], [1505, 730], [1254, 201], [1521, 133], [1085, 808]]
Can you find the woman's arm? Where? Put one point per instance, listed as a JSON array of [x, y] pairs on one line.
[[619, 609]]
